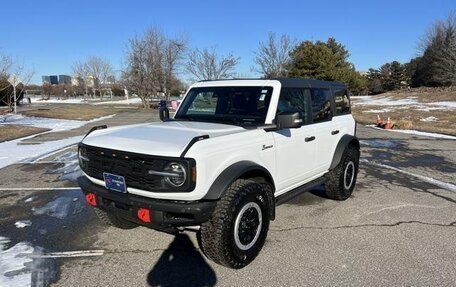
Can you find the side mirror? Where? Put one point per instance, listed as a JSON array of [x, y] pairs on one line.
[[289, 121], [163, 112]]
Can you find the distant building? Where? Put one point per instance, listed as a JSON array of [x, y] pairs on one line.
[[54, 79], [64, 80], [46, 79], [57, 80], [77, 81]]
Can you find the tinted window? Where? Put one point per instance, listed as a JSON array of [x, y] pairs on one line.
[[293, 100], [321, 105], [238, 105], [342, 101]]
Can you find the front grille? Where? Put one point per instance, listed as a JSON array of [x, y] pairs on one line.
[[133, 167]]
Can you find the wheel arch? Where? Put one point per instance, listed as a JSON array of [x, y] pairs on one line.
[[344, 142], [242, 170]]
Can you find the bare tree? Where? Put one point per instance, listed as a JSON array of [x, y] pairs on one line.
[[273, 56], [94, 71], [9, 70], [152, 64], [174, 52], [439, 51], [208, 65]]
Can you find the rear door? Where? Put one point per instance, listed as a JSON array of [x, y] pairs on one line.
[[295, 148], [325, 130], [343, 119]]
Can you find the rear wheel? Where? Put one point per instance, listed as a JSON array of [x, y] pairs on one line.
[[342, 179], [236, 233], [113, 220]]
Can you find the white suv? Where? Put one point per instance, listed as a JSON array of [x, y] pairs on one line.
[[233, 151]]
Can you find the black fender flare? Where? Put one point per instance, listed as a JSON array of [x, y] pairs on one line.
[[344, 142], [238, 170]]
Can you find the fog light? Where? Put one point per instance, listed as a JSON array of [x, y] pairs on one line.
[[91, 199]]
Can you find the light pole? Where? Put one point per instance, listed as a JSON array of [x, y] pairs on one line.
[[14, 81]]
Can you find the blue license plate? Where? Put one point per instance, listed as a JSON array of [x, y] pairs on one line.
[[114, 182]]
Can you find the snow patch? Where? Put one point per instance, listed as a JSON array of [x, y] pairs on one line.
[[30, 199], [14, 152], [433, 181], [425, 134], [444, 104], [414, 132], [58, 208], [14, 266], [23, 223], [429, 119], [57, 101], [70, 170], [379, 143], [121, 102], [378, 111], [21, 265]]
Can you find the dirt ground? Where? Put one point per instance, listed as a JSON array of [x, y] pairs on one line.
[[421, 115], [70, 112], [11, 132]]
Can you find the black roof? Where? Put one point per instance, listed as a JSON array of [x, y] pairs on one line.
[[307, 83], [295, 82]]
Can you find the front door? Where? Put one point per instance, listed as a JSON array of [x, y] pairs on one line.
[[295, 148]]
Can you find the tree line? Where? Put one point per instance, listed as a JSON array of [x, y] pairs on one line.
[[435, 66]]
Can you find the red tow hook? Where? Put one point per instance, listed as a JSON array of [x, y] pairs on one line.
[[91, 199], [144, 214]]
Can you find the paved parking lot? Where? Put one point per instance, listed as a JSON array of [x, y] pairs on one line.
[[398, 228]]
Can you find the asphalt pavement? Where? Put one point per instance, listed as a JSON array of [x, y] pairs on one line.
[[398, 228]]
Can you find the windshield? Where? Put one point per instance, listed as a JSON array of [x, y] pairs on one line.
[[231, 105]]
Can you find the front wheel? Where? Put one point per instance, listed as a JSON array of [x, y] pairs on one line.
[[342, 179], [236, 233]]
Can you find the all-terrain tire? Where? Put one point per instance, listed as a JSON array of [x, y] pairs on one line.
[[342, 179], [113, 220], [242, 202]]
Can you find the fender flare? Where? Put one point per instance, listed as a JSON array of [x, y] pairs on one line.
[[344, 142], [238, 170]]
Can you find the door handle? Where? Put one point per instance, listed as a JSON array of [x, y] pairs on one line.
[[335, 132], [309, 139]]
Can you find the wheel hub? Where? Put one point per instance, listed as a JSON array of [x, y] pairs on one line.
[[247, 226], [349, 174]]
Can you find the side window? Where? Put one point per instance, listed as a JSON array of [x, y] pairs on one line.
[[321, 105], [342, 101], [293, 100]]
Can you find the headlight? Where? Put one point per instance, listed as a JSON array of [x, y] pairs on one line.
[[177, 174]]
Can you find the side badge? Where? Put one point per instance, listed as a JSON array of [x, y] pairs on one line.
[[266, 147]]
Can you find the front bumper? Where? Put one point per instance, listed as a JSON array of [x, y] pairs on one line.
[[165, 215]]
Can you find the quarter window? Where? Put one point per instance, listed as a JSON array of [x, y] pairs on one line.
[[321, 105], [342, 101]]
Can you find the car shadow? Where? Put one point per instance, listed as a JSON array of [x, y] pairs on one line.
[[181, 264]]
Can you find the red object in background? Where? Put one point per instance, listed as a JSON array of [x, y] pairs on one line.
[[389, 124], [379, 121], [144, 214], [91, 199]]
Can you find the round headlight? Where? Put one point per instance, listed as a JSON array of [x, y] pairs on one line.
[[179, 177]]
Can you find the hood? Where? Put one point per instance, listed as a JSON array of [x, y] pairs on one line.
[[162, 139]]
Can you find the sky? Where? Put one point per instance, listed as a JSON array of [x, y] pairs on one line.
[[48, 37]]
